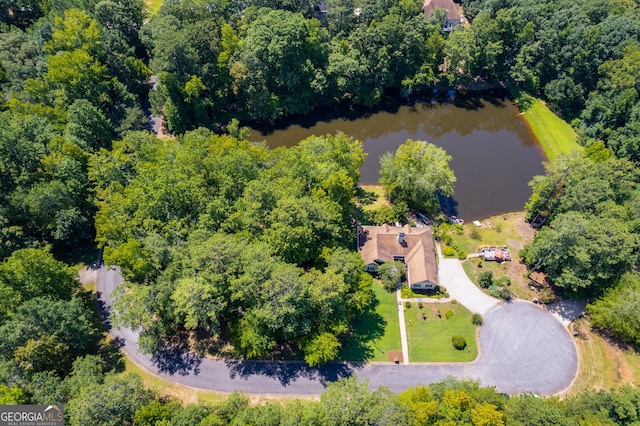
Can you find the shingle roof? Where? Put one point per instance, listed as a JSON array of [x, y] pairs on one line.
[[448, 5], [381, 242]]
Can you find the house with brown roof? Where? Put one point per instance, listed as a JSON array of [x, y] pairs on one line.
[[412, 246], [452, 17]]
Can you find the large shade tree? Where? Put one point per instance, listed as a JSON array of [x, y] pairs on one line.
[[417, 174]]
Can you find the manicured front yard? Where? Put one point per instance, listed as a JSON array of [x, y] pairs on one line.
[[430, 339], [375, 335]]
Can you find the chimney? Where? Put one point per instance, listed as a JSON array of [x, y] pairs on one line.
[[401, 237]]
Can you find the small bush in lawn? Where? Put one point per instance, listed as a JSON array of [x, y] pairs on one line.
[[476, 319], [449, 251], [459, 342], [448, 313], [454, 302], [485, 279], [499, 292], [462, 255], [459, 229], [407, 304], [420, 305], [499, 227], [503, 281], [479, 263], [475, 233]]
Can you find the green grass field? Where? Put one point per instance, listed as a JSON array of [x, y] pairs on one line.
[[430, 339], [153, 5], [555, 135], [376, 334], [502, 229]]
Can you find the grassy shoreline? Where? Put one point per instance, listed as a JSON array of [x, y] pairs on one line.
[[153, 5], [554, 134]]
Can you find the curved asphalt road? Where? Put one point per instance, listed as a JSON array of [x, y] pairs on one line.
[[523, 349]]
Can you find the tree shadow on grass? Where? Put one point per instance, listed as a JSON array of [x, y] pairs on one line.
[[360, 343], [366, 197]]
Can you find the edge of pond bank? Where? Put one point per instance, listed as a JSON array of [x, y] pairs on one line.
[[463, 97], [555, 136]]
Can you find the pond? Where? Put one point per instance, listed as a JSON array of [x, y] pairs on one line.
[[494, 153]]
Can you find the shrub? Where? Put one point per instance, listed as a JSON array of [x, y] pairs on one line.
[[475, 233], [448, 313], [485, 279], [391, 273], [480, 262], [454, 302], [499, 292], [406, 292], [459, 228], [462, 255], [449, 251], [459, 342], [420, 305], [476, 319], [503, 280], [399, 210], [546, 296], [381, 215], [499, 227], [407, 304]]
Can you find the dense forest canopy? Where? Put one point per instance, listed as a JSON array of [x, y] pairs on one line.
[[227, 239], [224, 236]]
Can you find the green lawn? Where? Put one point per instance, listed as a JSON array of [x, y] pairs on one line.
[[375, 334], [372, 197], [153, 5], [555, 135], [499, 230], [430, 338]]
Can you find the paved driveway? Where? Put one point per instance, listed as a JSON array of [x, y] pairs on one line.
[[523, 348], [460, 287]]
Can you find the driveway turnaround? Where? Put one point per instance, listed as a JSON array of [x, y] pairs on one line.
[[522, 349], [460, 287]]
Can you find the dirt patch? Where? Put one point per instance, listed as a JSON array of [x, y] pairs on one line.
[[435, 311], [395, 356], [87, 275]]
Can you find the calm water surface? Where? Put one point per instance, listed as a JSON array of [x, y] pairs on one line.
[[494, 154]]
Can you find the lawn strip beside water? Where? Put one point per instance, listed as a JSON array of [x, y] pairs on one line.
[[153, 5], [555, 135]]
